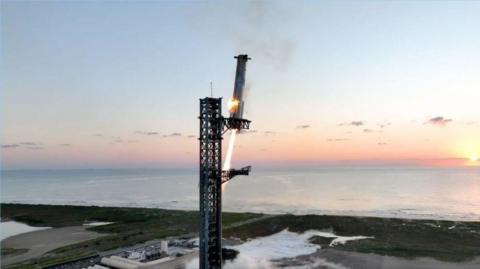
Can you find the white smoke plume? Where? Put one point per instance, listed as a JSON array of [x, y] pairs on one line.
[[228, 157], [266, 252], [258, 28]]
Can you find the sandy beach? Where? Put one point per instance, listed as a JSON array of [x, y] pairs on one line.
[[40, 242]]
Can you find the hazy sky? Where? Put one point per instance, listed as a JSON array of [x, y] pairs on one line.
[[116, 84]]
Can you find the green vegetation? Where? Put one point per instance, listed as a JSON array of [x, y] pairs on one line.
[[443, 240], [13, 251], [123, 217], [324, 242], [130, 226]]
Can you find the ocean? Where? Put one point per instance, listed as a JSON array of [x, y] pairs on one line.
[[387, 191]]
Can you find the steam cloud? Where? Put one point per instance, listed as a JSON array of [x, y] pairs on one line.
[[259, 28], [266, 252]]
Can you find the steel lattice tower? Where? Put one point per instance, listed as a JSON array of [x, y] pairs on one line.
[[211, 128]]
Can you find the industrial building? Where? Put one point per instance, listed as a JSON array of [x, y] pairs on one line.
[[157, 254]]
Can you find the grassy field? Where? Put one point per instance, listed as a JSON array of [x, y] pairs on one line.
[[443, 240], [62, 216], [13, 251], [130, 226]]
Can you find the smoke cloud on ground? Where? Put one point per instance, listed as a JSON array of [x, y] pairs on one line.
[[266, 252]]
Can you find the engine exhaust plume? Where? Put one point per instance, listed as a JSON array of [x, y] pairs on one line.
[[228, 157], [235, 107]]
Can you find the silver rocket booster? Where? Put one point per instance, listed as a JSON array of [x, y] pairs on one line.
[[235, 104]]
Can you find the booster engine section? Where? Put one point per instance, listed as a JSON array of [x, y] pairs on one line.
[[235, 104]]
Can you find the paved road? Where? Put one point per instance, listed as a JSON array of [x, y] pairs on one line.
[[237, 224]]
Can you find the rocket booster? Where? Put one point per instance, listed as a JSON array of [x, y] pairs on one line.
[[235, 104]]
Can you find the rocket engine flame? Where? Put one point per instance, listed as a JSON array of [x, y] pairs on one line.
[[228, 157], [233, 105]]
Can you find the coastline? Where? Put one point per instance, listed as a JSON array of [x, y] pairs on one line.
[[401, 213], [387, 192], [445, 242]]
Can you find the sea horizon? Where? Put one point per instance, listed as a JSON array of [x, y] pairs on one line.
[[411, 192]]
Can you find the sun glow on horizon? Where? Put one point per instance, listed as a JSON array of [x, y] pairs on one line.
[[474, 157]]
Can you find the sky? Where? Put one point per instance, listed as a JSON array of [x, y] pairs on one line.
[[109, 84]]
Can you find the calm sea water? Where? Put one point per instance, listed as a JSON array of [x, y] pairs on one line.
[[410, 192]]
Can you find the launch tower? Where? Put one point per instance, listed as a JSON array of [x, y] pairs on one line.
[[212, 127]]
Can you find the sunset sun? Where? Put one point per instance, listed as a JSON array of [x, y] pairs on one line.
[[474, 157]]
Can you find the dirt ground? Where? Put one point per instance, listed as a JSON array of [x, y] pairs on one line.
[[40, 242]]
